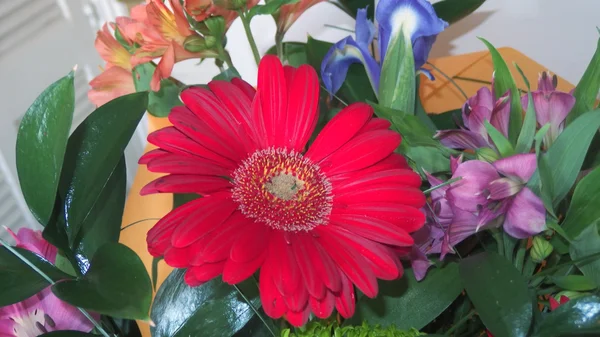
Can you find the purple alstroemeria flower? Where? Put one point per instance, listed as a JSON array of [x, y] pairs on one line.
[[476, 110], [498, 195], [419, 22], [551, 106], [42, 312]]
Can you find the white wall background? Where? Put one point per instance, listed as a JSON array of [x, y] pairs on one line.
[[559, 34]]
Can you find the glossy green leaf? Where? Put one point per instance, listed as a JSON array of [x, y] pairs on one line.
[[116, 284], [18, 281], [583, 209], [93, 152], [525, 140], [407, 303], [269, 8], [503, 83], [577, 316], [502, 144], [587, 89], [574, 282], [356, 87], [41, 144], [103, 224], [397, 85], [155, 262], [587, 244], [452, 11], [68, 333], [498, 292], [227, 75], [214, 309]]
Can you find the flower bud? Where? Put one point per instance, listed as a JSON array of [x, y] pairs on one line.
[[211, 41], [541, 249], [487, 154], [195, 43]]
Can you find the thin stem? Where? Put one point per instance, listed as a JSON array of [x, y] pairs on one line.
[[137, 222], [254, 309], [279, 45], [469, 79], [340, 28], [336, 97], [460, 322], [446, 183], [47, 278], [520, 258], [570, 263], [246, 24], [499, 240], [449, 79], [224, 55]]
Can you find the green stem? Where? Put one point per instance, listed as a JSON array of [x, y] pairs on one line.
[[548, 291], [254, 309], [47, 278], [224, 56], [570, 263], [446, 183], [460, 322], [449, 79], [529, 267], [499, 240], [279, 45], [246, 24], [137, 222], [520, 258]]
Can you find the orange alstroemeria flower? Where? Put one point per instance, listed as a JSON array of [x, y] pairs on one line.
[[112, 83], [200, 10], [111, 50], [288, 14]]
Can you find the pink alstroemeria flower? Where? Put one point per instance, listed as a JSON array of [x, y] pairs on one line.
[[476, 110], [551, 106], [497, 193], [43, 312]]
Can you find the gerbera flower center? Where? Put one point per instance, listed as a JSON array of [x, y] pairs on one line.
[[282, 189]]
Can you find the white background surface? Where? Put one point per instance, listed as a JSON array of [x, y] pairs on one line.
[[559, 34]]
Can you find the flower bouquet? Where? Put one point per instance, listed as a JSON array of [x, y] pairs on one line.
[[323, 202]]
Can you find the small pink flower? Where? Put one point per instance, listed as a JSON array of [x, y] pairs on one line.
[[43, 312]]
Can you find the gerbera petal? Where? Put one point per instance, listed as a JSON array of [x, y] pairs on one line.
[[236, 272], [359, 152], [251, 242], [408, 218], [246, 88], [339, 130], [349, 261], [322, 263], [222, 241], [186, 183], [376, 124], [207, 271], [187, 122], [270, 297], [302, 109], [345, 301], [175, 141], [190, 279], [409, 196], [145, 159], [273, 98], [286, 274], [259, 123], [298, 300], [359, 180], [210, 212], [373, 229], [312, 280], [322, 307], [183, 164], [178, 257], [158, 238], [298, 318]]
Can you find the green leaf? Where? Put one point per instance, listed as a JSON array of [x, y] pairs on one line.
[[18, 281], [356, 87], [397, 86], [428, 158], [587, 89], [41, 143], [567, 153], [586, 244], [583, 209], [504, 82], [412, 129], [527, 134], [498, 292], [103, 224], [447, 120], [116, 284], [142, 75], [502, 144], [161, 102], [93, 152], [227, 75], [214, 309], [574, 282], [155, 261], [68, 333], [452, 11], [426, 299], [294, 53], [580, 315], [269, 8], [420, 110]]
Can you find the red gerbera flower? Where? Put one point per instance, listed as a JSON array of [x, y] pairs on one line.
[[315, 222]]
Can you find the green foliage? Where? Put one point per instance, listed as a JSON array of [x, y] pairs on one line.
[[574, 318], [324, 329], [162, 101], [397, 86], [502, 144], [41, 144], [583, 210], [587, 244], [587, 89], [525, 140]]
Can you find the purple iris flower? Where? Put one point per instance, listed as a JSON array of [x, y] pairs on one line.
[[419, 21]]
